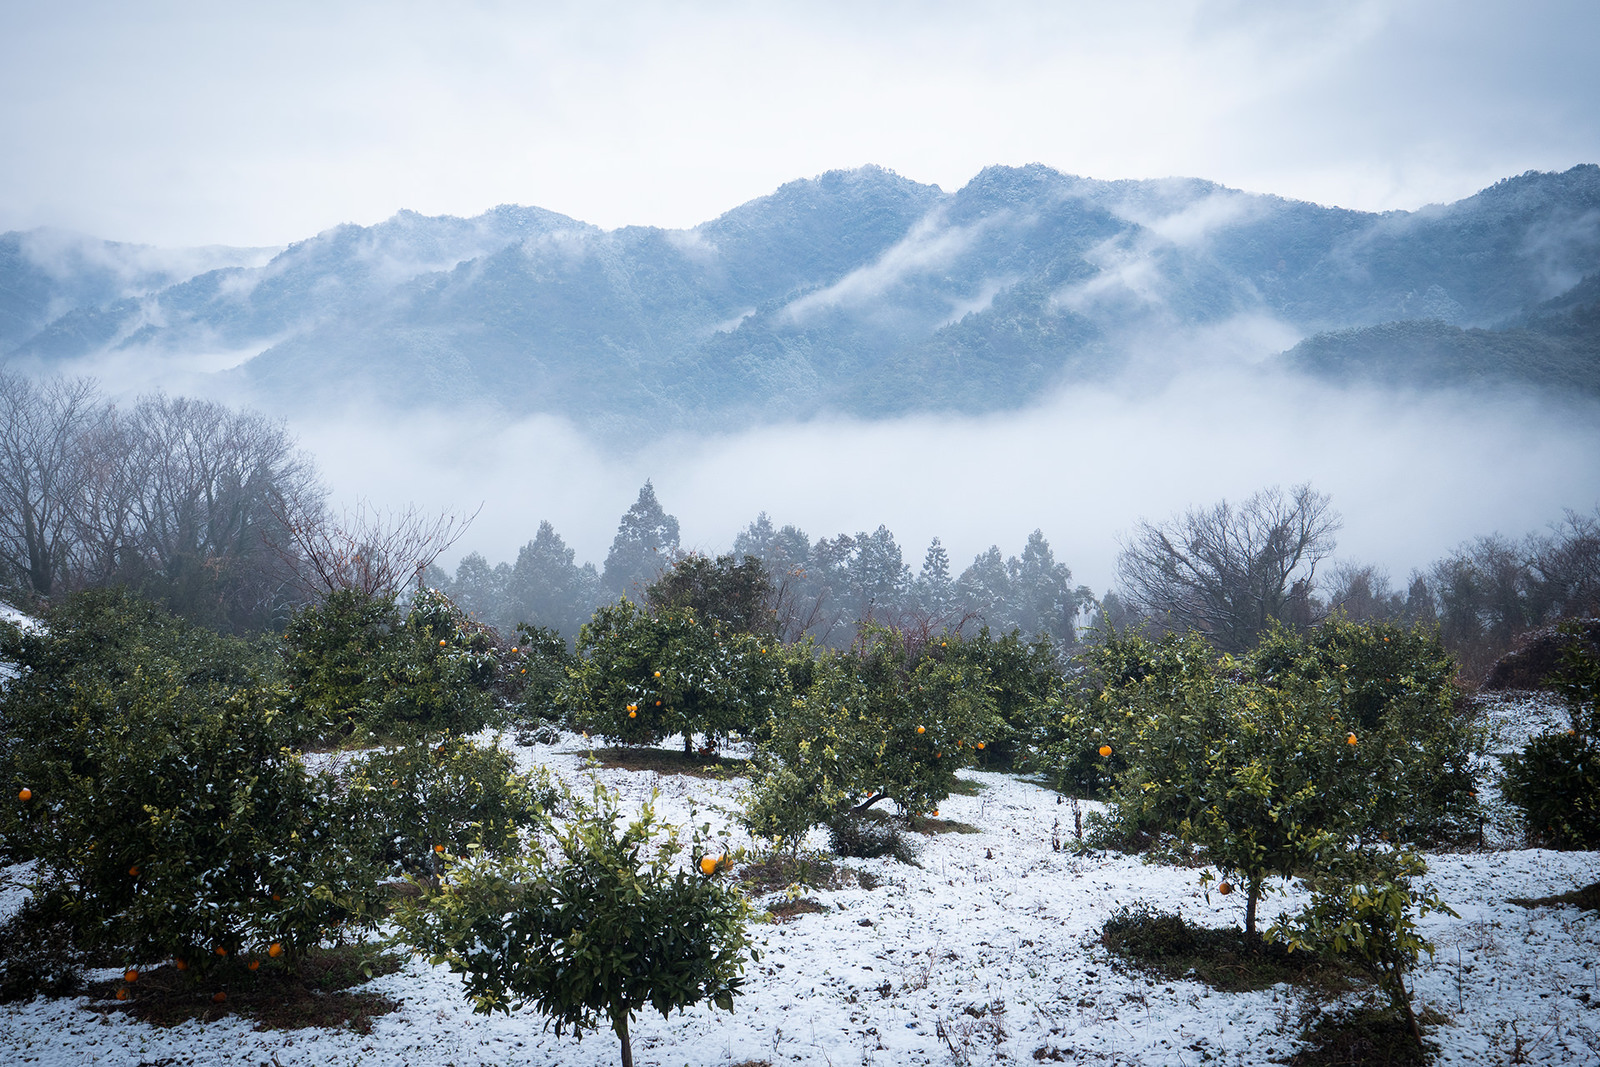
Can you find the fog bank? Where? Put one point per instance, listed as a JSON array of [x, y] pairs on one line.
[[1413, 475]]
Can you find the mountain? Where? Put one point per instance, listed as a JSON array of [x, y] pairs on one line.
[[1556, 346], [857, 291]]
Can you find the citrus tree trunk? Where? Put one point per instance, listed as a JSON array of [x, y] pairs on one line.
[[1252, 898], [619, 1023], [1404, 997]]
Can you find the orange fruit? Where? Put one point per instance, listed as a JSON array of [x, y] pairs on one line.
[[513, 650], [438, 848], [276, 949], [255, 965], [133, 872], [980, 744], [633, 714], [658, 674], [922, 730], [441, 642], [276, 897], [122, 994], [1225, 888], [221, 951], [935, 813], [25, 794], [218, 997], [708, 864], [182, 965], [658, 703], [1350, 740], [130, 975], [1105, 750]]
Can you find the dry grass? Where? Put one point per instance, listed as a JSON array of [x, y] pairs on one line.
[[671, 761]]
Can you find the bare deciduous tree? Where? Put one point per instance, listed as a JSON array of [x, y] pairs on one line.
[[374, 552], [42, 428], [1228, 570]]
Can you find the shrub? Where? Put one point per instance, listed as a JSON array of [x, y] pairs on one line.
[[880, 722], [453, 793], [357, 666], [1364, 908], [611, 926], [645, 677], [168, 811], [1555, 779], [1025, 682], [541, 671]]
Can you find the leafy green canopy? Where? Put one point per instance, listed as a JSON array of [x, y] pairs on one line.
[[884, 721], [604, 925]]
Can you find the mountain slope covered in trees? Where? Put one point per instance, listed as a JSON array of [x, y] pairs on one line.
[[857, 291]]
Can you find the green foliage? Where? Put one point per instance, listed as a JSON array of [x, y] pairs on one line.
[[1555, 779], [1025, 681], [1393, 687], [169, 812], [735, 595], [645, 677], [358, 668], [540, 674], [1364, 907], [455, 793], [851, 738], [608, 925], [336, 654]]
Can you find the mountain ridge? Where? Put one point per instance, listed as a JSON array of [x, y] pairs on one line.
[[858, 291]]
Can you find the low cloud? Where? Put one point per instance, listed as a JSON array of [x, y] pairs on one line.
[[1413, 475]]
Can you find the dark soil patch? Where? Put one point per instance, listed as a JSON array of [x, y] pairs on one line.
[[1226, 960], [929, 825], [1364, 1038], [1587, 898], [965, 788], [319, 993], [784, 910], [779, 872], [672, 761]]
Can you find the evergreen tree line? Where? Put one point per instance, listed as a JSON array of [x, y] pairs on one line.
[[823, 588]]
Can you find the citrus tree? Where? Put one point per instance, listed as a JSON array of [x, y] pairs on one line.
[[1393, 686], [357, 665], [1260, 781], [422, 801], [644, 677], [158, 788], [882, 721], [601, 926]]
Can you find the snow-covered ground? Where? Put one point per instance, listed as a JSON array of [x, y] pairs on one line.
[[990, 942]]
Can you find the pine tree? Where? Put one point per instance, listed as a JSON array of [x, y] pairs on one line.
[[646, 544]]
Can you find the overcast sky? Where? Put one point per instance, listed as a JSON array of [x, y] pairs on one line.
[[194, 123]]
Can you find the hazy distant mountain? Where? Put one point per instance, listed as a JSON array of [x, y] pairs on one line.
[[857, 291], [1556, 346]]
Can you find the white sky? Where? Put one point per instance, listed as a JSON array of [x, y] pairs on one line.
[[262, 123]]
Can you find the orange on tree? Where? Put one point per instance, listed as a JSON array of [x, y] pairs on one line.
[[218, 997], [275, 950], [922, 729], [130, 975], [1105, 750], [24, 793], [181, 964], [254, 965], [709, 864], [438, 848], [133, 872], [221, 951], [1350, 740], [122, 994], [633, 714], [1225, 888]]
